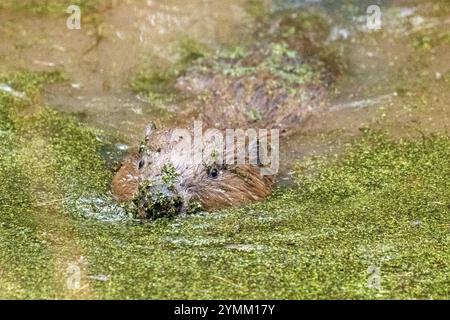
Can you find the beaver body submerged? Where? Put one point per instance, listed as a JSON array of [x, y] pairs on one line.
[[273, 85]]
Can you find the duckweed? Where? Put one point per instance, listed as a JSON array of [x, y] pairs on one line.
[[372, 223]]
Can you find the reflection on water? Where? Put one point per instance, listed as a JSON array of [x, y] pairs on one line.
[[100, 58], [114, 44], [396, 78]]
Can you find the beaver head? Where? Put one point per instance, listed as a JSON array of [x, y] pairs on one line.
[[170, 175]]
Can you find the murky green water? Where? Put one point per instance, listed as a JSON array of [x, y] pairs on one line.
[[74, 102]]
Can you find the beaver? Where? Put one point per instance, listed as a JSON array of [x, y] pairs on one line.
[[274, 84]]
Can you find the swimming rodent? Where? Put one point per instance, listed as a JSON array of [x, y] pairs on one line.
[[275, 84]]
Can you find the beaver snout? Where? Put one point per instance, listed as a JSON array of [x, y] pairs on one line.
[[158, 200]]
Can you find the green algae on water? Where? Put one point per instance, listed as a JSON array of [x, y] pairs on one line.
[[379, 209], [47, 161], [382, 205]]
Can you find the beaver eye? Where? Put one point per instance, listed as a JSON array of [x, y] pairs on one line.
[[213, 173]]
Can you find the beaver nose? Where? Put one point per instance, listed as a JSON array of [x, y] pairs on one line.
[[159, 201]]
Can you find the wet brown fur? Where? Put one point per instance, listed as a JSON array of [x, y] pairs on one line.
[[225, 105]]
